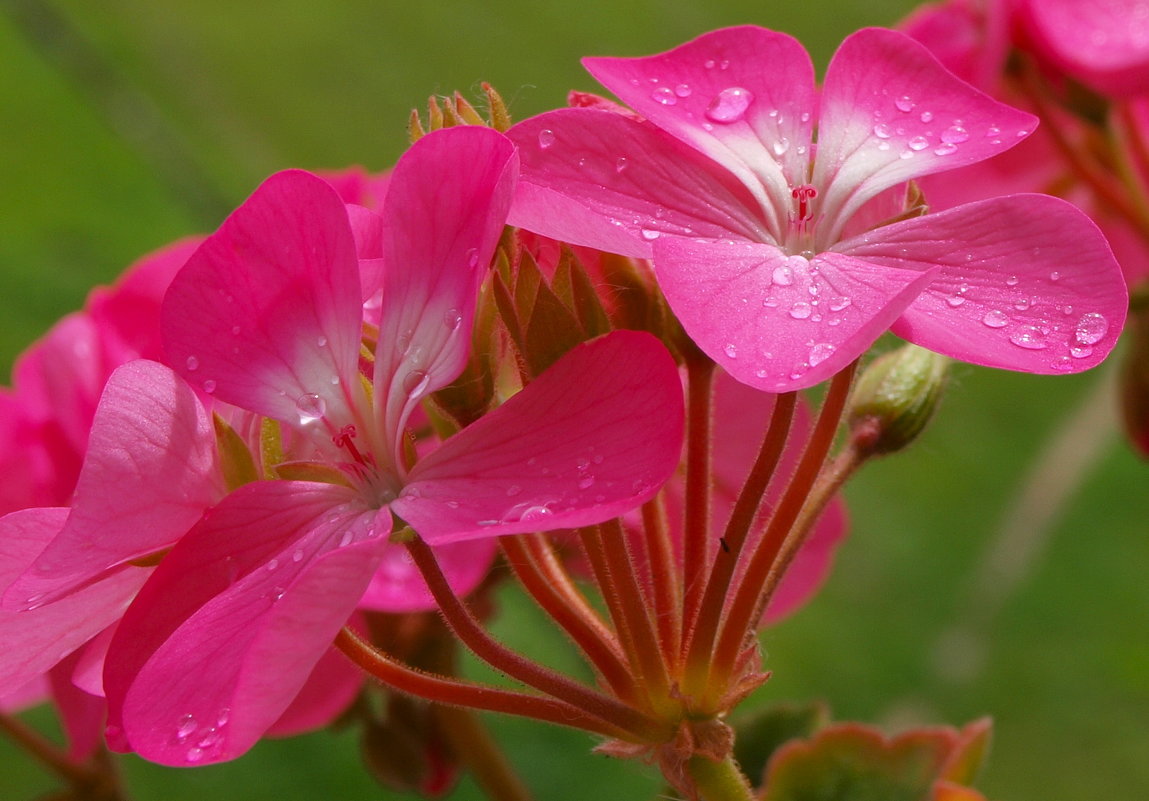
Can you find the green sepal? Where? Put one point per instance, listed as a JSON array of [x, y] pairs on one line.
[[235, 460], [312, 471], [762, 732]]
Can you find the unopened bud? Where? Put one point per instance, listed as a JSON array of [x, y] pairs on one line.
[[895, 398]]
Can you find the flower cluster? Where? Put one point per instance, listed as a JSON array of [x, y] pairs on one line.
[[338, 412]]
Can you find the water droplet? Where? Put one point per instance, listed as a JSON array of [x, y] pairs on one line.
[[194, 755], [927, 116], [781, 146], [212, 736], [729, 105], [649, 234], [311, 407], [513, 490], [1029, 338], [731, 351], [906, 154], [192, 363], [620, 164], [954, 135], [883, 131], [1091, 328], [945, 148], [1055, 276], [955, 300], [546, 138], [801, 310], [272, 565], [223, 717], [1012, 281], [1080, 351], [415, 383], [904, 103], [321, 342], [992, 130], [345, 540], [235, 329], [820, 352], [837, 304], [709, 64], [918, 143], [452, 319], [586, 482], [297, 556], [995, 319], [682, 90], [783, 275], [186, 727], [664, 95], [452, 504], [209, 386], [1022, 303]]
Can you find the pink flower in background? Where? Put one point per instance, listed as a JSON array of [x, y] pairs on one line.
[[752, 194], [268, 316]]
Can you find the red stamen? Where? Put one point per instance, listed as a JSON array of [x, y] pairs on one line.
[[343, 440], [804, 194]]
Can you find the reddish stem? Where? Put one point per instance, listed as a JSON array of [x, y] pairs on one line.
[[739, 621], [445, 690], [498, 656], [667, 590], [542, 576], [696, 523]]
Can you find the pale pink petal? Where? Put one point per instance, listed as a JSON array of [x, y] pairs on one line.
[[891, 112], [88, 673], [397, 585], [604, 180], [38, 638], [594, 436], [81, 713], [969, 37], [1102, 43], [150, 472], [329, 690], [266, 314], [1025, 282], [34, 693], [232, 622], [776, 322], [445, 209], [811, 565], [743, 96]]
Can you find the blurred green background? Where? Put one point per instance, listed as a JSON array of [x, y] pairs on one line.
[[124, 125]]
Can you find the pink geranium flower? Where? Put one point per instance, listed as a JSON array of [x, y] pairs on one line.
[[752, 193], [268, 316]]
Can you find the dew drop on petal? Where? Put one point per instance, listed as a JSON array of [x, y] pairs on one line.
[[883, 131], [297, 556], [954, 135], [546, 138], [185, 729], [1055, 276], [801, 310], [345, 540], [839, 303], [192, 363], [995, 319], [782, 275], [904, 103], [1029, 338], [194, 755], [621, 164], [918, 143], [415, 383], [729, 105], [1011, 281], [944, 149], [664, 95], [452, 319], [209, 386], [682, 90], [310, 407], [513, 490], [820, 352], [992, 130], [649, 234], [1081, 351], [781, 146], [955, 300], [272, 565], [586, 482], [1091, 328], [731, 350], [321, 342]]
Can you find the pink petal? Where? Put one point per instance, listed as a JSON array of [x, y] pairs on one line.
[[811, 565], [743, 96], [398, 586], [150, 472], [1102, 43], [776, 322], [592, 437], [891, 112], [445, 209], [266, 314], [329, 690], [221, 639], [81, 713], [601, 179], [1026, 282], [37, 639]]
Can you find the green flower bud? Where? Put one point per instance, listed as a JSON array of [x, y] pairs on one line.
[[894, 399]]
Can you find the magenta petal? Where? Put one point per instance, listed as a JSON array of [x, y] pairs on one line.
[[81, 713], [398, 586], [744, 96], [776, 322], [594, 436], [811, 565], [445, 209], [38, 638], [267, 314], [1026, 282], [604, 180], [150, 471], [232, 622], [891, 112], [329, 690]]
